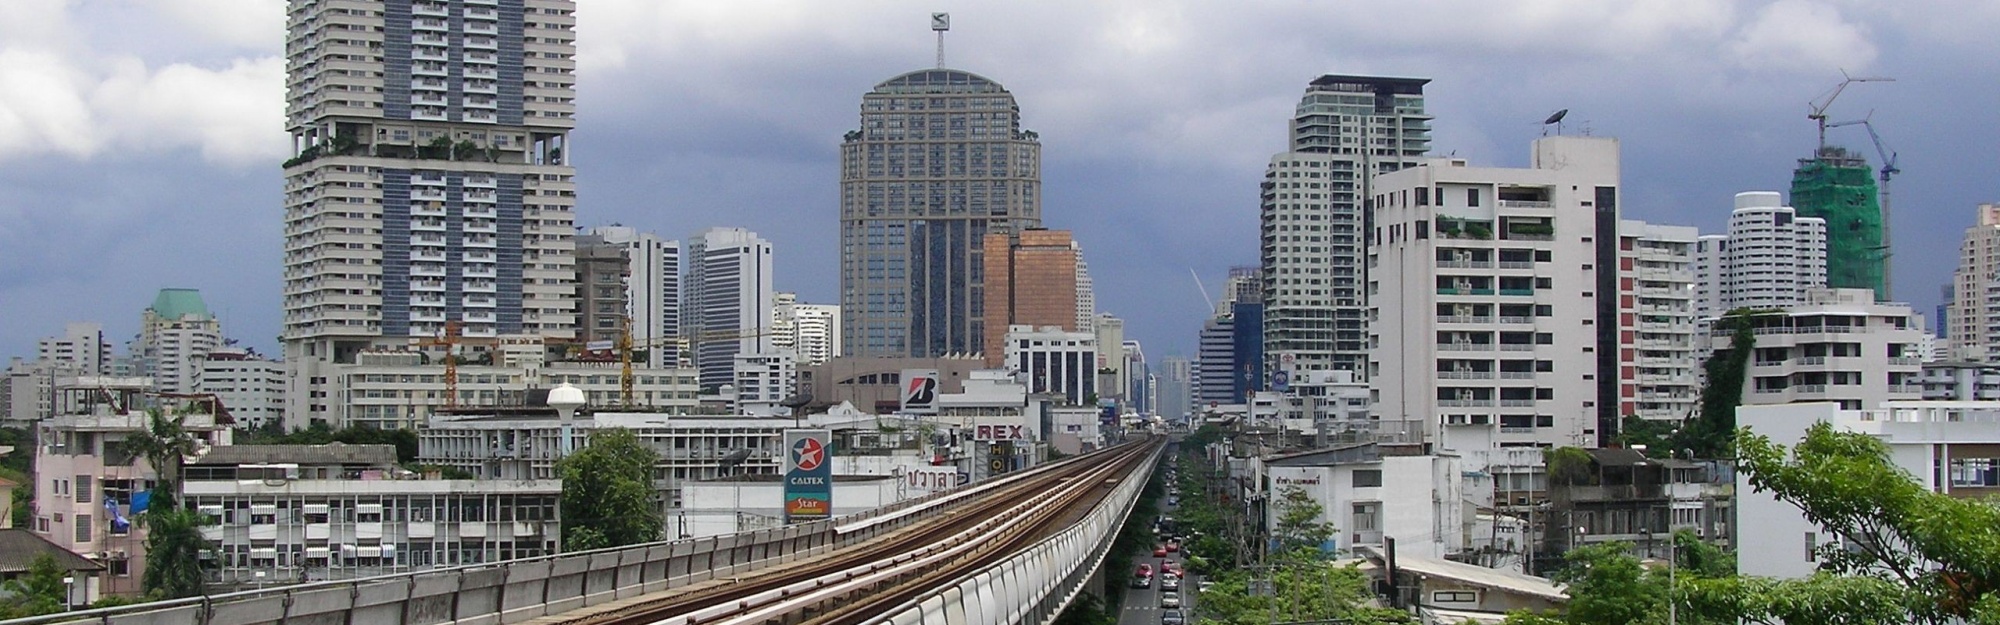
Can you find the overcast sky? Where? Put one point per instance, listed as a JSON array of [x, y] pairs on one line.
[[140, 139]]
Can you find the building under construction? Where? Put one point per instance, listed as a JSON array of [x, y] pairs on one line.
[[1839, 186]]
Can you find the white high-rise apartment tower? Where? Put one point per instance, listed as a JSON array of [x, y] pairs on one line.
[[1974, 287], [1314, 214], [176, 334], [729, 301], [1656, 264], [1495, 299], [652, 290], [431, 181], [1767, 260], [811, 331]]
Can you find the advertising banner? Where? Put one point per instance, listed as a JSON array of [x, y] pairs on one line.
[[920, 391], [808, 475]]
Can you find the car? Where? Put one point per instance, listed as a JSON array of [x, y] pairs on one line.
[[1170, 573], [1173, 617], [1170, 583], [1203, 586], [1142, 582], [1170, 600], [1145, 570], [1173, 501], [1173, 546], [1159, 551], [1173, 568]]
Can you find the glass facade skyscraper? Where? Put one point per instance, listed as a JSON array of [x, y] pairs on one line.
[[939, 162]]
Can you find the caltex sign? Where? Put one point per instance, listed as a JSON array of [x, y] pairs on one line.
[[808, 475]]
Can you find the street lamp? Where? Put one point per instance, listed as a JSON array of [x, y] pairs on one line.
[[566, 399]]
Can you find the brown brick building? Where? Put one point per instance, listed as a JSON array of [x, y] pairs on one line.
[[1030, 280]]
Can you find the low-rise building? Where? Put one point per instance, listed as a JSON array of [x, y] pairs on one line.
[[1838, 345], [1961, 381], [402, 389], [1951, 448], [871, 383], [1620, 495], [751, 502], [19, 548], [1368, 492], [285, 514]]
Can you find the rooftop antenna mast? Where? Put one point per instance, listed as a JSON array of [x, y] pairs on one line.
[[1820, 104], [940, 22]]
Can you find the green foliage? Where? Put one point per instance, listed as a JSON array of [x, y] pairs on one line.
[[1201, 437], [1299, 526], [1306, 587], [1608, 585], [1709, 434], [39, 591], [1939, 554], [449, 473], [1087, 609], [173, 552], [319, 433], [608, 498], [1652, 434], [1568, 465], [165, 444], [24, 503]]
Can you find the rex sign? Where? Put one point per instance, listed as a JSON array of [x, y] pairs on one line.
[[1000, 433], [808, 475]]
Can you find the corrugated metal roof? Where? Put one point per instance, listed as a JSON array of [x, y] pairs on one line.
[[19, 547], [331, 453]]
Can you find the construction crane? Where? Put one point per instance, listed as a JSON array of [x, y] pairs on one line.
[[450, 339], [1820, 104], [1887, 171], [686, 345]]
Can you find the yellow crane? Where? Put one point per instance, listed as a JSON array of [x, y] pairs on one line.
[[450, 339], [685, 345]]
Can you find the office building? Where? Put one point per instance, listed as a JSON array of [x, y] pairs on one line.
[[652, 292], [1974, 293], [1839, 346], [1112, 377], [763, 380], [1176, 388], [1138, 387], [1086, 291], [175, 334], [1215, 363], [811, 331], [430, 178], [939, 162], [729, 301], [288, 514], [1770, 256], [1494, 294], [526, 445], [1838, 186], [1055, 361], [601, 272], [1656, 301], [1031, 279], [1947, 447], [1314, 216], [251, 387]]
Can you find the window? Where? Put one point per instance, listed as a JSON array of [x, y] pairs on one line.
[[120, 567], [83, 489], [1367, 478], [1812, 545], [1454, 596], [1472, 197], [83, 528], [1367, 517]]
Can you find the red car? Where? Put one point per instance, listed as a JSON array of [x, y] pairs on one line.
[[1173, 568], [1173, 546], [1145, 570], [1160, 551]]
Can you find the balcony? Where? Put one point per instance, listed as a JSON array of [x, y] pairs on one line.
[[1465, 375], [1523, 204], [1465, 403], [1517, 403], [1522, 320], [1465, 347], [1465, 264], [1517, 347], [1458, 291], [1517, 375], [1464, 319]]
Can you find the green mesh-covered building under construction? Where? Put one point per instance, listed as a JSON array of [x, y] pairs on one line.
[[1839, 186]]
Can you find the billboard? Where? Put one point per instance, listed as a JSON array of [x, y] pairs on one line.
[[933, 479], [808, 475], [1001, 432], [920, 391]]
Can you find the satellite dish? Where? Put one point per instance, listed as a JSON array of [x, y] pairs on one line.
[[1555, 118], [798, 401], [735, 458]]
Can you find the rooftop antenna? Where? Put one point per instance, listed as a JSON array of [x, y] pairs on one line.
[[940, 22], [1555, 119], [1820, 104]]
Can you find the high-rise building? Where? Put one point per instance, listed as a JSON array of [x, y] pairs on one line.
[[1215, 363], [729, 301], [1314, 214], [81, 348], [251, 387], [1086, 291], [1055, 361], [811, 331], [1482, 281], [1176, 386], [1973, 289], [652, 290], [939, 162], [175, 334], [1837, 346], [1769, 258], [431, 179], [1138, 379], [1656, 300], [601, 272], [1030, 280], [1112, 377], [1838, 186]]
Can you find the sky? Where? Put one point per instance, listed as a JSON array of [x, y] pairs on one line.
[[140, 140]]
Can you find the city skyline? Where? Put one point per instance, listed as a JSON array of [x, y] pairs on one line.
[[675, 139]]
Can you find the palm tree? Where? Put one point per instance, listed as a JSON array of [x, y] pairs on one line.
[[173, 539]]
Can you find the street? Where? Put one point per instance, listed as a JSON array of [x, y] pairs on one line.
[[1142, 605]]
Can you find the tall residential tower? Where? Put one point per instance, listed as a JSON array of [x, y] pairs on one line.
[[430, 180], [1314, 214], [939, 162]]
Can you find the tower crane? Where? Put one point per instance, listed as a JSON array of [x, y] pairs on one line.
[[686, 345], [450, 339], [1820, 104], [1888, 171]]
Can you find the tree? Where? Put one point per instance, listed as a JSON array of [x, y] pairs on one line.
[[1932, 557], [607, 496], [1298, 521], [173, 535], [165, 445], [39, 591], [1608, 585], [1305, 587], [1709, 434]]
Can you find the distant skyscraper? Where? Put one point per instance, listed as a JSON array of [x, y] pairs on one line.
[[1030, 280], [729, 301], [601, 272], [175, 334], [1769, 258], [1974, 283], [1315, 218], [811, 331], [81, 349], [1139, 378], [429, 182], [1086, 291], [1838, 186], [652, 289], [1176, 385], [1216, 363], [939, 162]]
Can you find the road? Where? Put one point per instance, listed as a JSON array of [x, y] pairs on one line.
[[1142, 605]]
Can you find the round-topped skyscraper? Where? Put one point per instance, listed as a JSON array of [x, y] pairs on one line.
[[940, 160]]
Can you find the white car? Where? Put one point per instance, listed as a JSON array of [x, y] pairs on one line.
[[1170, 600]]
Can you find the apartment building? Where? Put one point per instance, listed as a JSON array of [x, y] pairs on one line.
[[1972, 296], [652, 289], [402, 389], [1494, 297], [286, 514], [251, 388], [525, 444], [1838, 346], [1769, 258], [1656, 293], [1961, 381]]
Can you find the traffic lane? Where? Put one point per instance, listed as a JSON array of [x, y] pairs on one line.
[[1142, 605]]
